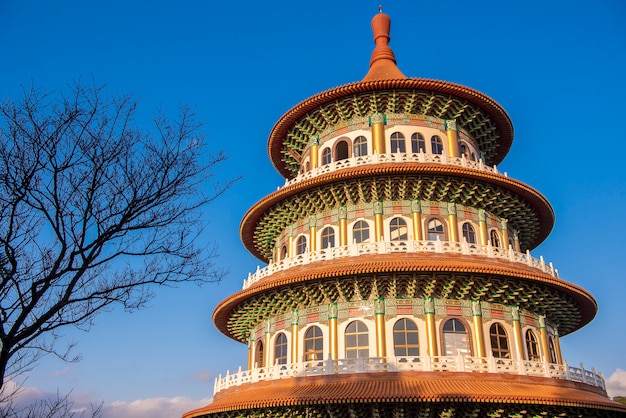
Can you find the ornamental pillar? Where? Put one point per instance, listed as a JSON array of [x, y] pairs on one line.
[[557, 343], [294, 336], [479, 335], [517, 333], [453, 138], [313, 233], [482, 224], [378, 221], [381, 340], [377, 126], [315, 158], [343, 226], [333, 332], [452, 222], [516, 241], [416, 217], [290, 241], [543, 334], [505, 233], [431, 327], [268, 351], [250, 350]]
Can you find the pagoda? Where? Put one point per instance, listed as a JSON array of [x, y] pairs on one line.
[[399, 279]]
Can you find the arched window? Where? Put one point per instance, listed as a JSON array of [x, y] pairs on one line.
[[405, 339], [464, 150], [301, 245], [397, 142], [360, 146], [398, 230], [552, 350], [473, 157], [455, 338], [435, 230], [259, 354], [417, 143], [307, 167], [313, 344], [361, 232], [468, 233], [357, 340], [532, 346], [328, 237], [341, 151], [326, 156], [283, 252], [436, 145], [280, 349], [495, 238], [499, 342]]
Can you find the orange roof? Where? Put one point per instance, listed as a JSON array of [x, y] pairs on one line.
[[423, 262], [410, 387], [539, 203], [385, 75]]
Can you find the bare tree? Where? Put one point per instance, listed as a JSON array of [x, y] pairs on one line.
[[54, 406], [93, 212]]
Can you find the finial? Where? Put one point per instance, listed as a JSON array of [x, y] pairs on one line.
[[383, 62], [380, 8]]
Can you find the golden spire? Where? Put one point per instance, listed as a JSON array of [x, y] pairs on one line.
[[383, 62]]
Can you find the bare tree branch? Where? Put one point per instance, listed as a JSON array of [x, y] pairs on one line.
[[94, 212]]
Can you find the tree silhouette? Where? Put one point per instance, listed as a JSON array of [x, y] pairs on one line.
[[94, 211]]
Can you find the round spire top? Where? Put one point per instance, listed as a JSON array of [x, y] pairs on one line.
[[383, 62]]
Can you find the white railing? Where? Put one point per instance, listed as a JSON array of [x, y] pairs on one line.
[[421, 157], [390, 247], [414, 364]]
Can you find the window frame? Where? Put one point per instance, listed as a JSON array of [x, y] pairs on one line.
[[418, 143], [361, 230], [404, 333], [436, 145], [359, 146], [397, 143], [361, 347]]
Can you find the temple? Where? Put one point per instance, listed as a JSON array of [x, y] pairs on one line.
[[399, 278]]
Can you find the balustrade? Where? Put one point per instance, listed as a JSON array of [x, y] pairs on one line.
[[409, 246], [411, 364], [393, 158]]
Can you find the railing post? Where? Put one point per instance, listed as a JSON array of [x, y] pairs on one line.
[[438, 246], [460, 364], [529, 259], [491, 361], [521, 367], [567, 374], [428, 366], [546, 369], [582, 373]]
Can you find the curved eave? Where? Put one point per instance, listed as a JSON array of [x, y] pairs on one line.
[[398, 263], [410, 387], [540, 204], [484, 102]]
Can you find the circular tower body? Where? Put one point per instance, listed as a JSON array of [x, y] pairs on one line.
[[399, 279]]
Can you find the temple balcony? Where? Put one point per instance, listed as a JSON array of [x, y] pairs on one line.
[[396, 247], [395, 158], [411, 364]]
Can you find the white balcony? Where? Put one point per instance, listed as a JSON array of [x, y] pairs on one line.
[[412, 364], [391, 247], [421, 157]]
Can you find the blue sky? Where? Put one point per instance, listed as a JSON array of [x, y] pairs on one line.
[[557, 68]]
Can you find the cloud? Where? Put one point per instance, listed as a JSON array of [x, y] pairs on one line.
[[153, 407], [203, 375], [616, 383], [85, 401]]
